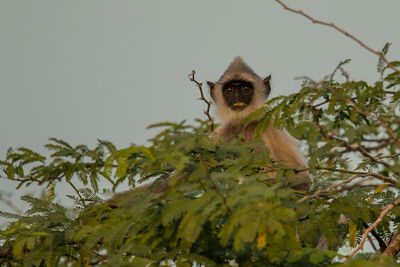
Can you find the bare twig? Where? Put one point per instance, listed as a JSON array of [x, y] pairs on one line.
[[373, 174], [345, 74], [384, 212], [208, 102], [332, 25]]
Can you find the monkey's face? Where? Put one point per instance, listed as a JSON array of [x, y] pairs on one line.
[[238, 94]]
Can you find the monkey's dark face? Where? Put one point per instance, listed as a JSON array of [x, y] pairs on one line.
[[238, 94]]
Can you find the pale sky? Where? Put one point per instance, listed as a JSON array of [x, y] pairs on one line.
[[86, 69]]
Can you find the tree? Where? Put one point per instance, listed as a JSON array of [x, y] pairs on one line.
[[216, 205]]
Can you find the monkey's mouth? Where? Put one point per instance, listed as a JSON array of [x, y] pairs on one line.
[[239, 104]]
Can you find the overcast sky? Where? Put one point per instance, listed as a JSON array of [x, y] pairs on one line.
[[86, 69]]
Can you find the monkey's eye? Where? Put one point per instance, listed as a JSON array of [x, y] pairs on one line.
[[245, 88], [229, 89]]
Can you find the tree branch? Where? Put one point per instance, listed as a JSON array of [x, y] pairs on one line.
[[393, 248], [384, 212], [329, 189], [382, 244], [208, 102], [332, 25]]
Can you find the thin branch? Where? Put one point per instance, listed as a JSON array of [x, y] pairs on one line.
[[353, 147], [366, 113], [390, 92], [345, 74], [385, 140], [382, 244], [28, 179], [329, 189], [373, 174], [320, 104], [208, 102], [344, 185], [389, 156], [384, 212], [102, 258], [332, 25], [77, 192], [372, 244]]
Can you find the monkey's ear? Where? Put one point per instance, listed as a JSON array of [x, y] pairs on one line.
[[211, 85], [267, 85]]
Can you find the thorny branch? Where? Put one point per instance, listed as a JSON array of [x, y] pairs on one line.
[[384, 212], [332, 25], [208, 102]]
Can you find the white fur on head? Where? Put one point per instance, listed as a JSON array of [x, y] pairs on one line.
[[239, 70]]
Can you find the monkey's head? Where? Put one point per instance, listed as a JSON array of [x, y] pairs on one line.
[[239, 92]]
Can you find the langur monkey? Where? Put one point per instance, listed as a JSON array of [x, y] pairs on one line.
[[239, 92]]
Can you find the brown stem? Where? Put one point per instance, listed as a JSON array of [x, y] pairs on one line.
[[384, 212], [332, 25], [393, 248], [329, 189], [373, 174], [372, 243], [382, 244]]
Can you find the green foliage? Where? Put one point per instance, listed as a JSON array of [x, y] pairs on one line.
[[219, 205]]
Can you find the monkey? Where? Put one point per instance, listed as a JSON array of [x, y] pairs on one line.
[[238, 93]]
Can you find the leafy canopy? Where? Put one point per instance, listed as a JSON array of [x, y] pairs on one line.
[[220, 205]]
